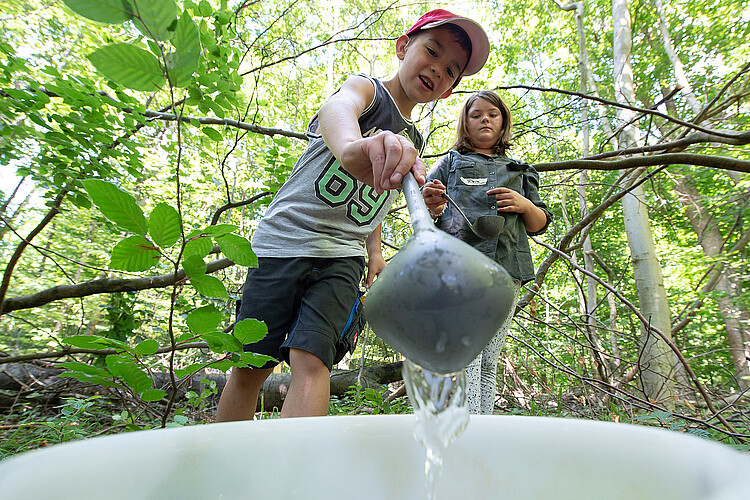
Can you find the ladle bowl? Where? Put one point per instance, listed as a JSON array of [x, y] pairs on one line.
[[439, 301]]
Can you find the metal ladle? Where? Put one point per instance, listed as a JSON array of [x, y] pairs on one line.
[[439, 301], [486, 226]]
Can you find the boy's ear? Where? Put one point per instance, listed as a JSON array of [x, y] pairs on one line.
[[401, 44]]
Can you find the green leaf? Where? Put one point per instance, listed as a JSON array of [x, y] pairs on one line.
[[253, 359], [209, 286], [88, 342], [129, 66], [238, 249], [199, 247], [148, 346], [221, 342], [84, 368], [220, 229], [204, 319], [164, 225], [212, 133], [117, 205], [224, 365], [88, 373], [205, 8], [153, 18], [189, 370], [134, 253], [102, 11], [250, 330], [194, 266], [182, 63], [153, 395], [129, 371]]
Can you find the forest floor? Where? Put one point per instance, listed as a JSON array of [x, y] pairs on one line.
[[27, 426]]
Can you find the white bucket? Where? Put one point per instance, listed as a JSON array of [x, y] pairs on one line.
[[376, 457]]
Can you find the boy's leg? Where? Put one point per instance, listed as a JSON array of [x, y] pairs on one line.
[[310, 388], [310, 347], [240, 395], [271, 295]]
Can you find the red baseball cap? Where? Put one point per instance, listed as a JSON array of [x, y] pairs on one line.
[[480, 44]]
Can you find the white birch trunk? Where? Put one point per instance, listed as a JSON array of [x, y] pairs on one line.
[[678, 68], [655, 360]]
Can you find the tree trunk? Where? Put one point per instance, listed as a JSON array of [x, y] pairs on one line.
[[679, 71], [655, 359], [730, 308]]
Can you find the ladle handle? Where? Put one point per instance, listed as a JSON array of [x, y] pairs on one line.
[[420, 216]]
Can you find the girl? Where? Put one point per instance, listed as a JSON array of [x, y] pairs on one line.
[[483, 181]]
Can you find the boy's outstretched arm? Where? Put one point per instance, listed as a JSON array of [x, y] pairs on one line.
[[375, 261], [380, 161]]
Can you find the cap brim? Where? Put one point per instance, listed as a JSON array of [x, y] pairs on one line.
[[480, 44]]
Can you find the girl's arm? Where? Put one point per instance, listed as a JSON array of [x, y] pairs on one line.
[[510, 201], [432, 193]]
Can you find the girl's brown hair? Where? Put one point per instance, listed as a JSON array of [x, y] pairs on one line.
[[463, 142]]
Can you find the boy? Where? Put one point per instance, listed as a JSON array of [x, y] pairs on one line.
[[312, 239]]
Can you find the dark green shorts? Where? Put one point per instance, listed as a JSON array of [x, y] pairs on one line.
[[305, 302]]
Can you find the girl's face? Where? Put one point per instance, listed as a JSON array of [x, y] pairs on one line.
[[484, 125]]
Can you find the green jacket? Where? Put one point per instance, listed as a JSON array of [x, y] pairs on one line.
[[467, 178]]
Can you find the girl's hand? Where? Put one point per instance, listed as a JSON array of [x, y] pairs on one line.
[[510, 201], [432, 193]]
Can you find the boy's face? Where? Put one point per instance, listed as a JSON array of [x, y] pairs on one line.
[[431, 63]]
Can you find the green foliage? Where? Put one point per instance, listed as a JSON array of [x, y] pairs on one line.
[[118, 206], [155, 17], [103, 11], [360, 400], [203, 319], [250, 330], [164, 225], [238, 249], [129, 66], [199, 403]]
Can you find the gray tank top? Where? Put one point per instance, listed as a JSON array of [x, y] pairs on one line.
[[322, 210]]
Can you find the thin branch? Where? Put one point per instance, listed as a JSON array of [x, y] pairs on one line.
[[53, 211], [104, 352], [720, 162], [228, 206], [104, 285], [647, 324], [620, 105]]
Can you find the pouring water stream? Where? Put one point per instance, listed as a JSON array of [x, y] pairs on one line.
[[439, 302]]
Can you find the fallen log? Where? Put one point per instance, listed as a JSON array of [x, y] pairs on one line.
[[41, 384]]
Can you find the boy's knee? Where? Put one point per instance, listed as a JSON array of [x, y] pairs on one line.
[[300, 360]]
